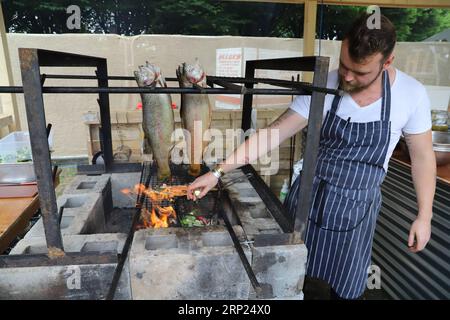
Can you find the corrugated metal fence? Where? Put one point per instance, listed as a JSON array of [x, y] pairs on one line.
[[406, 275]]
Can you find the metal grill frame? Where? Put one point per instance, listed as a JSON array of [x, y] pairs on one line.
[[32, 59]]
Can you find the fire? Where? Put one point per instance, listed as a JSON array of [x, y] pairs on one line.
[[159, 216]]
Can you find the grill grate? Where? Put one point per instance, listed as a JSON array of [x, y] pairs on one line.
[[204, 209]]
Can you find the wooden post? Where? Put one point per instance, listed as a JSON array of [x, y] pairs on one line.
[[5, 49], [309, 32]]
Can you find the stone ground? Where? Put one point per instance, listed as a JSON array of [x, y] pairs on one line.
[[318, 290]]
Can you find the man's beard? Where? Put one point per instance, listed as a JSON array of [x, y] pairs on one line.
[[355, 88]]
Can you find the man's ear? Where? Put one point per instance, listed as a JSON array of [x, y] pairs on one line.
[[388, 62]]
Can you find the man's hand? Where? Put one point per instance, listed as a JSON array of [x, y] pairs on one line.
[[203, 184], [419, 235]]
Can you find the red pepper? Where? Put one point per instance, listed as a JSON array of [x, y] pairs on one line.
[[203, 220]]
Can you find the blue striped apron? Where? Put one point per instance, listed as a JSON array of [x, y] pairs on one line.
[[346, 197]]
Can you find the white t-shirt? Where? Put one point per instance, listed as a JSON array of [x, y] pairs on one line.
[[410, 108]]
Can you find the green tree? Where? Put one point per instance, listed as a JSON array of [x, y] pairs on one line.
[[208, 17]]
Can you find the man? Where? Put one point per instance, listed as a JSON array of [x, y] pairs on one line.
[[359, 133]]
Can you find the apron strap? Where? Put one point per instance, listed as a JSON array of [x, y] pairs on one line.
[[386, 97], [335, 103]]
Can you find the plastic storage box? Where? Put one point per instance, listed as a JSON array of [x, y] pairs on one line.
[[16, 165]]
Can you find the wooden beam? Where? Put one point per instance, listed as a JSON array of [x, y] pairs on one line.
[[309, 27], [381, 3], [392, 3], [16, 126], [309, 33]]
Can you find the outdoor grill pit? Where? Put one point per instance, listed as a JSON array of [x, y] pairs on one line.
[[165, 263], [265, 258]]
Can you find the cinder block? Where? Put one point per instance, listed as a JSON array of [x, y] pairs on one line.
[[37, 230], [244, 195], [104, 242], [84, 184], [281, 268], [82, 214], [255, 219], [195, 263], [66, 282]]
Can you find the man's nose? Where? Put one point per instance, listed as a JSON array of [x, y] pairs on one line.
[[348, 76]]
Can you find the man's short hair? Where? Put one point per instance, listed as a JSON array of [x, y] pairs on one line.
[[364, 42]]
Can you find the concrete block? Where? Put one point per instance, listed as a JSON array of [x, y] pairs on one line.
[[101, 184], [66, 282], [281, 268], [120, 181], [82, 184], [255, 219], [194, 263], [82, 214], [37, 230], [104, 242]]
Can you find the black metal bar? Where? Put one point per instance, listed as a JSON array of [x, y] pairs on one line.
[[228, 85], [34, 104], [105, 116], [129, 240], [272, 203], [48, 129], [174, 90], [226, 82], [235, 239], [247, 102], [211, 79], [276, 82], [93, 169], [11, 89], [43, 260], [86, 77], [60, 214], [121, 90], [312, 147], [231, 89], [49, 58], [89, 77]]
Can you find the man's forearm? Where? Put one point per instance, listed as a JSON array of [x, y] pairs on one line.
[[423, 169], [264, 140], [247, 152]]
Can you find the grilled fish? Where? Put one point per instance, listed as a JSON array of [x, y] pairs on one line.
[[195, 113], [157, 118]]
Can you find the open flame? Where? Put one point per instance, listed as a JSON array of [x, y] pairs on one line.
[[159, 216]]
